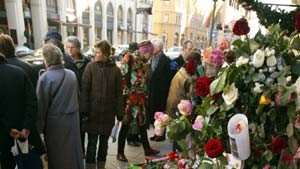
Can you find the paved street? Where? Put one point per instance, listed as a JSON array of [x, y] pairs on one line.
[[134, 154]]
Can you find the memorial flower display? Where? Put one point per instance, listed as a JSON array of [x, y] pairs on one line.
[[250, 110]]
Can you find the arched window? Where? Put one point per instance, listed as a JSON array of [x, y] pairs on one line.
[[98, 20], [110, 22], [129, 26], [120, 25]]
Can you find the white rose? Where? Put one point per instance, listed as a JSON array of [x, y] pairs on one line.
[[257, 88], [241, 61], [271, 61], [297, 85], [289, 78], [270, 52], [231, 95], [258, 58], [157, 124], [199, 118]]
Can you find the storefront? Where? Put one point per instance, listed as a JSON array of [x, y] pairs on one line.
[[129, 26], [3, 18], [120, 25], [85, 26]]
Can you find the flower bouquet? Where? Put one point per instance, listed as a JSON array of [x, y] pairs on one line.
[[258, 82]]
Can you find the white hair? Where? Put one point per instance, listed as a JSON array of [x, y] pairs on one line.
[[158, 43]]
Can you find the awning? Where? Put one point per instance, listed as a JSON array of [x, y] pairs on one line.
[[85, 25], [55, 20]]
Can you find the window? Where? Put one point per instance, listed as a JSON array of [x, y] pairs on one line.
[[166, 18]]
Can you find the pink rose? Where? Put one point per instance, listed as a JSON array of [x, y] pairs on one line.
[[157, 114], [225, 44], [217, 57], [181, 163], [159, 131], [297, 123], [297, 155], [282, 101], [266, 167], [185, 107], [163, 119], [197, 126], [157, 124]]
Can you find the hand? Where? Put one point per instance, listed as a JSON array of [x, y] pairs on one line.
[[15, 133], [25, 133], [119, 117]]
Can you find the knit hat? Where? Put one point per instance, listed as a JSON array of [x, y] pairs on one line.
[[133, 46], [146, 47], [52, 34]]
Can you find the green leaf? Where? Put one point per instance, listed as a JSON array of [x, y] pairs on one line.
[[212, 109], [296, 69], [268, 155], [225, 107], [291, 112], [295, 43], [205, 165], [237, 42], [218, 85]]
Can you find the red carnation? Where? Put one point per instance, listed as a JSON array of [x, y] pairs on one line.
[[278, 144], [191, 67], [287, 160], [202, 86], [214, 148], [173, 156], [241, 27], [297, 22]]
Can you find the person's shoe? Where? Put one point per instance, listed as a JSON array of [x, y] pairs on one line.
[[153, 138], [160, 138], [151, 152], [133, 143], [121, 157]]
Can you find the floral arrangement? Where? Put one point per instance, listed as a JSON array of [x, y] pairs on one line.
[[260, 83]]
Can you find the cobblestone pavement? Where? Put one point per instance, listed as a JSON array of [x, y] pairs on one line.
[[134, 154]]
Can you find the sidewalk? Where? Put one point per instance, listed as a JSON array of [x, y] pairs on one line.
[[134, 154]]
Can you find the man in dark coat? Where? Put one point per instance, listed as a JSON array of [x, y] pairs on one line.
[[186, 49], [18, 106], [55, 38], [158, 84], [9, 52]]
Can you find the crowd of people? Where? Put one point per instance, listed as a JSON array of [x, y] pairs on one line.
[[52, 110]]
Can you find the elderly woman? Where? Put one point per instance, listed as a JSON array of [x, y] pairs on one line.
[[58, 116]]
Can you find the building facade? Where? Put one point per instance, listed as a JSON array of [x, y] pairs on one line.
[[176, 21], [118, 21]]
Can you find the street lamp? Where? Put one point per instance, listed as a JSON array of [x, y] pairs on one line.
[[27, 16]]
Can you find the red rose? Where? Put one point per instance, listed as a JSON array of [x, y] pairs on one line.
[[278, 144], [173, 156], [213, 148], [241, 27], [202, 86], [191, 67], [297, 22], [286, 159]]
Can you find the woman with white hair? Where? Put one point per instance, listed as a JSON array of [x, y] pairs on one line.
[[58, 112]]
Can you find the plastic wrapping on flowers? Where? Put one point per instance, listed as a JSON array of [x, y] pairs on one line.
[[261, 83]]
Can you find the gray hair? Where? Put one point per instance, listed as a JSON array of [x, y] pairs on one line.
[[52, 55], [158, 43], [74, 40]]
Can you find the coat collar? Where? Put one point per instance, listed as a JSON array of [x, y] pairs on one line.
[[55, 67]]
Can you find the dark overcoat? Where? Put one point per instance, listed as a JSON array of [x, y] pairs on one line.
[[158, 84], [101, 96], [18, 106]]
